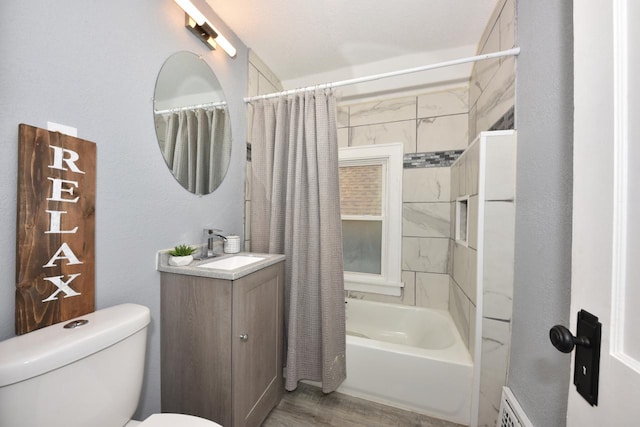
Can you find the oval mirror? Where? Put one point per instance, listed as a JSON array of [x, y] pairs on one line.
[[192, 122]]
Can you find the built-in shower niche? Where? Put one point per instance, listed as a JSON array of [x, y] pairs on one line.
[[462, 225], [481, 273]]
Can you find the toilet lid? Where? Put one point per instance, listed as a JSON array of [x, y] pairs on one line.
[[177, 420]]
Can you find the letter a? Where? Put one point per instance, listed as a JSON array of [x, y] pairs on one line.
[[68, 254]]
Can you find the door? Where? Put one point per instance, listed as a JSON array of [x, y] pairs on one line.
[[257, 345], [606, 205]]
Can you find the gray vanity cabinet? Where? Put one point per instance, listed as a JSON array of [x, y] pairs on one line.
[[221, 347]]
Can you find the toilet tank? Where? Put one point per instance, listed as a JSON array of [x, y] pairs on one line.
[[90, 375]]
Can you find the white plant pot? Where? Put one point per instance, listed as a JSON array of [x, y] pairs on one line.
[[180, 261]]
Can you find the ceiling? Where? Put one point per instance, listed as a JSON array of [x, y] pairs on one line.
[[315, 41]]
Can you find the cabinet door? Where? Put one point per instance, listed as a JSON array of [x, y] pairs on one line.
[[257, 345], [196, 358]]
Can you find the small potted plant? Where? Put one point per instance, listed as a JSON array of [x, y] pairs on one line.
[[181, 255]]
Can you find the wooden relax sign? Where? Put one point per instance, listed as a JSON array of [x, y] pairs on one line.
[[55, 236]]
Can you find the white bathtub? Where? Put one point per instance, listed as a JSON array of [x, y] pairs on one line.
[[408, 357]]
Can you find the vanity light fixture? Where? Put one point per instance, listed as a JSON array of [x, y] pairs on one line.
[[199, 30], [196, 22]]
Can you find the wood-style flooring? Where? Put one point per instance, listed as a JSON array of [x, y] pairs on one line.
[[308, 406]]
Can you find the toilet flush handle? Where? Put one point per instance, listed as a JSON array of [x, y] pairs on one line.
[[75, 323], [244, 337]]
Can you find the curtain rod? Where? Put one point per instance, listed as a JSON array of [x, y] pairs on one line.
[[192, 107], [509, 52]]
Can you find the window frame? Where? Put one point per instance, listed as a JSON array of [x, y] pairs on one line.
[[389, 281]]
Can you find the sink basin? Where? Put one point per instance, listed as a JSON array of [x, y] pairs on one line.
[[232, 263]]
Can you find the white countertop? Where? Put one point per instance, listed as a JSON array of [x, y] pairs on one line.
[[194, 269]]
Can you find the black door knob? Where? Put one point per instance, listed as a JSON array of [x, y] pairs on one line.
[[563, 340]]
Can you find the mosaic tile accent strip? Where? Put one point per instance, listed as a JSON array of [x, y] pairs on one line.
[[437, 159], [507, 121]]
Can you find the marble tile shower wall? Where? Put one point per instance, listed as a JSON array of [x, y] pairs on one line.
[[463, 262], [491, 101], [492, 86], [433, 128], [497, 226], [498, 277], [260, 80]]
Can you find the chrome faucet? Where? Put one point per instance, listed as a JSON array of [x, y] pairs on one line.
[[210, 236]]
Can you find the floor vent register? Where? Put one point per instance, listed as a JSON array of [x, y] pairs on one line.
[[511, 413]]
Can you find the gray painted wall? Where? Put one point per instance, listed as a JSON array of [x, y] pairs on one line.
[[539, 374], [93, 65]]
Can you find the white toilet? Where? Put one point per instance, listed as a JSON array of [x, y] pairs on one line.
[[86, 374]]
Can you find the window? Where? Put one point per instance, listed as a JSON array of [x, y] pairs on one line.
[[371, 207]]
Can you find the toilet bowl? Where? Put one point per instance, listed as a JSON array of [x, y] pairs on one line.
[[172, 420], [86, 374]]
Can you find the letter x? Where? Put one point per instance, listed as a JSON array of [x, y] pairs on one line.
[[62, 287]]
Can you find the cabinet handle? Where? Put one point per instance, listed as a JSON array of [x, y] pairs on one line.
[[244, 337]]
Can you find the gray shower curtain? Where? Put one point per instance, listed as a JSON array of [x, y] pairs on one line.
[[295, 210], [194, 147]]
